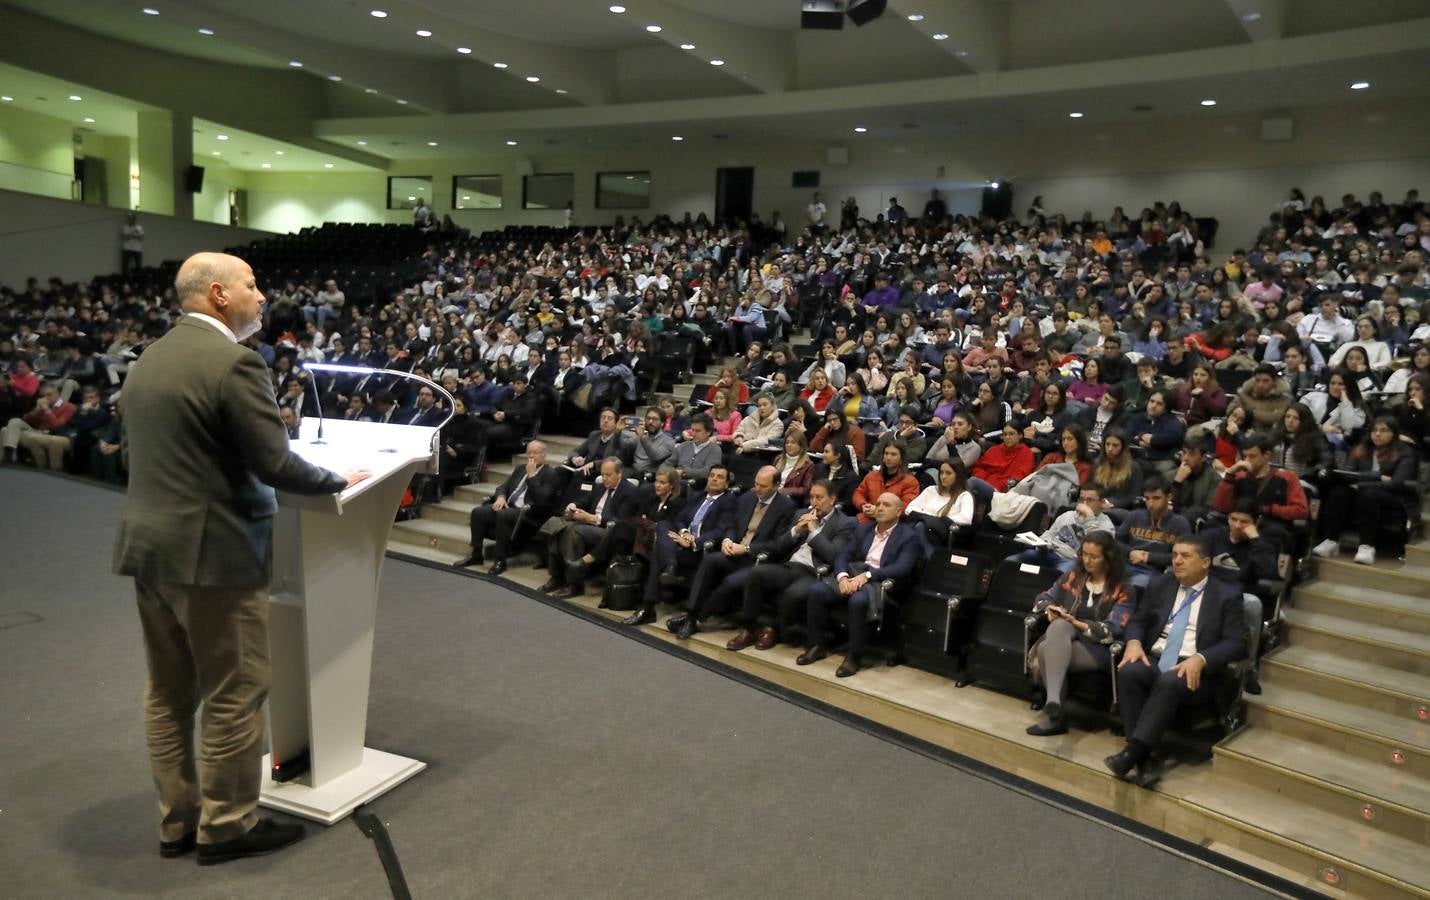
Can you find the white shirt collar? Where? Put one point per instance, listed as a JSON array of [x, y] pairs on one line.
[[217, 323]]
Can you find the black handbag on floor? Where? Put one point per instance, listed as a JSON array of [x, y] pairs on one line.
[[625, 580]]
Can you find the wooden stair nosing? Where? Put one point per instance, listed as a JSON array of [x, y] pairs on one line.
[[1395, 732]]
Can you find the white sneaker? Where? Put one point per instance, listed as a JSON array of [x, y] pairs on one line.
[[1326, 549], [1365, 555]]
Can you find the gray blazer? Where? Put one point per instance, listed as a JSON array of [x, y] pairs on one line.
[[205, 450]]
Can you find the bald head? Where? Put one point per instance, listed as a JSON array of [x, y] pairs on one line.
[[221, 286], [765, 482], [887, 509]]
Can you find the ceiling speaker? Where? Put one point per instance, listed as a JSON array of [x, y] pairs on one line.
[[862, 12], [822, 14]]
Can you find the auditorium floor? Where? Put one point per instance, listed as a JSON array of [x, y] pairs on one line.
[[564, 760]]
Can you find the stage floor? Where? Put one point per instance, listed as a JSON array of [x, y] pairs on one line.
[[564, 760]]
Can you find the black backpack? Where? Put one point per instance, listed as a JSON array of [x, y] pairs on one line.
[[625, 581]]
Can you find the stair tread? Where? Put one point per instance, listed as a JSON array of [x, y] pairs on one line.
[[1354, 669], [1369, 722], [1383, 567], [1369, 596], [1369, 780], [452, 502], [1362, 845], [1357, 630], [435, 528]]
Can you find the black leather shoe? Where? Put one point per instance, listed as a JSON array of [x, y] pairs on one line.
[[1053, 710], [1056, 726], [812, 655], [668, 578], [569, 591], [674, 623], [640, 617], [265, 837], [849, 667], [171, 849], [1120, 763], [468, 560], [1149, 771], [497, 568], [687, 628]]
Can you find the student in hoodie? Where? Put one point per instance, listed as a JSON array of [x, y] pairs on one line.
[[1149, 532], [1157, 435]]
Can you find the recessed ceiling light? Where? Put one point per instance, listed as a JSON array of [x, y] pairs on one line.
[[295, 64], [75, 97], [717, 62], [327, 165], [277, 152], [220, 137], [335, 78], [961, 53], [993, 184], [422, 32], [369, 90], [266, 166], [1359, 85], [216, 153], [362, 143], [916, 17], [465, 197], [379, 14], [1074, 115], [511, 143], [687, 46], [6, 98], [206, 32], [464, 50], [653, 29], [1251, 16], [150, 11], [533, 78], [860, 129], [940, 36], [411, 198], [431, 143], [560, 90], [676, 137], [401, 102], [1209, 102], [499, 65], [617, 8]]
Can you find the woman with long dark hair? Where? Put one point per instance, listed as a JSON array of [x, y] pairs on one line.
[[945, 504], [1378, 484], [1084, 613], [1300, 447]]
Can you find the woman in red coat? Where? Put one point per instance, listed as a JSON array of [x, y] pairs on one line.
[[1005, 463]]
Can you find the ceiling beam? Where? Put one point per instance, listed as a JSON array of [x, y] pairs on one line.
[[977, 30], [1263, 20], [759, 57]]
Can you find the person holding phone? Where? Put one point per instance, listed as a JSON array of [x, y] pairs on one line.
[[1083, 613]]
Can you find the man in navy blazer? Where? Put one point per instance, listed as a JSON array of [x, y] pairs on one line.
[[760, 518], [1187, 629], [609, 501], [882, 550], [424, 412], [708, 517]]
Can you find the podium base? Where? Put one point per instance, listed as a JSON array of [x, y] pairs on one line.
[[379, 773]]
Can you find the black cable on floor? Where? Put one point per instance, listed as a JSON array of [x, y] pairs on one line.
[[371, 826]]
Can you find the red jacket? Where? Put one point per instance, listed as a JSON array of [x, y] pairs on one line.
[[998, 465], [1279, 495], [51, 419], [905, 486]]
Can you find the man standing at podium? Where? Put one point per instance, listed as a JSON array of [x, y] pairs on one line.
[[205, 449]]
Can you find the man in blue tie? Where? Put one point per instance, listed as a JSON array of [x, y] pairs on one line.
[[1187, 629], [705, 519]]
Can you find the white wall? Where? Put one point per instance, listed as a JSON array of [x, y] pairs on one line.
[[45, 237], [1215, 165]]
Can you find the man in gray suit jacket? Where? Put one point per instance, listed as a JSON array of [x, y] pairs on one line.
[[205, 449], [814, 540]]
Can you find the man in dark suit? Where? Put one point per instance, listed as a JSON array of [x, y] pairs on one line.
[[882, 550], [708, 517], [424, 412], [814, 540], [527, 498], [761, 517], [1186, 631], [205, 449], [612, 499], [514, 416], [608, 441]]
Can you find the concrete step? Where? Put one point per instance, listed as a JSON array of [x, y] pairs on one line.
[[417, 551], [1390, 647], [1348, 790], [454, 509], [1375, 607], [1355, 680], [476, 493], [1418, 554], [436, 535], [1371, 735], [1386, 575]]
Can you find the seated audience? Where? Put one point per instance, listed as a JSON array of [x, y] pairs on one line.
[[1377, 484], [892, 477], [1280, 501], [582, 525], [1148, 533], [1005, 464], [944, 505], [526, 499]]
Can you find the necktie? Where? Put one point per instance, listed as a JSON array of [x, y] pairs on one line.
[[755, 518], [601, 504], [1180, 616], [518, 496], [700, 515]]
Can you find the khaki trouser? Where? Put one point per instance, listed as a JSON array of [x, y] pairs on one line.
[[206, 644], [48, 449]]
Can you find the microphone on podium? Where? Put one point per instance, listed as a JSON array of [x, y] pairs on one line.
[[368, 370]]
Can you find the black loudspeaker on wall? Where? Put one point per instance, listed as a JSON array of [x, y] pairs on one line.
[[998, 200], [194, 179]]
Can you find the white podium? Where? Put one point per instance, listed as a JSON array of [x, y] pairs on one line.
[[327, 561]]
